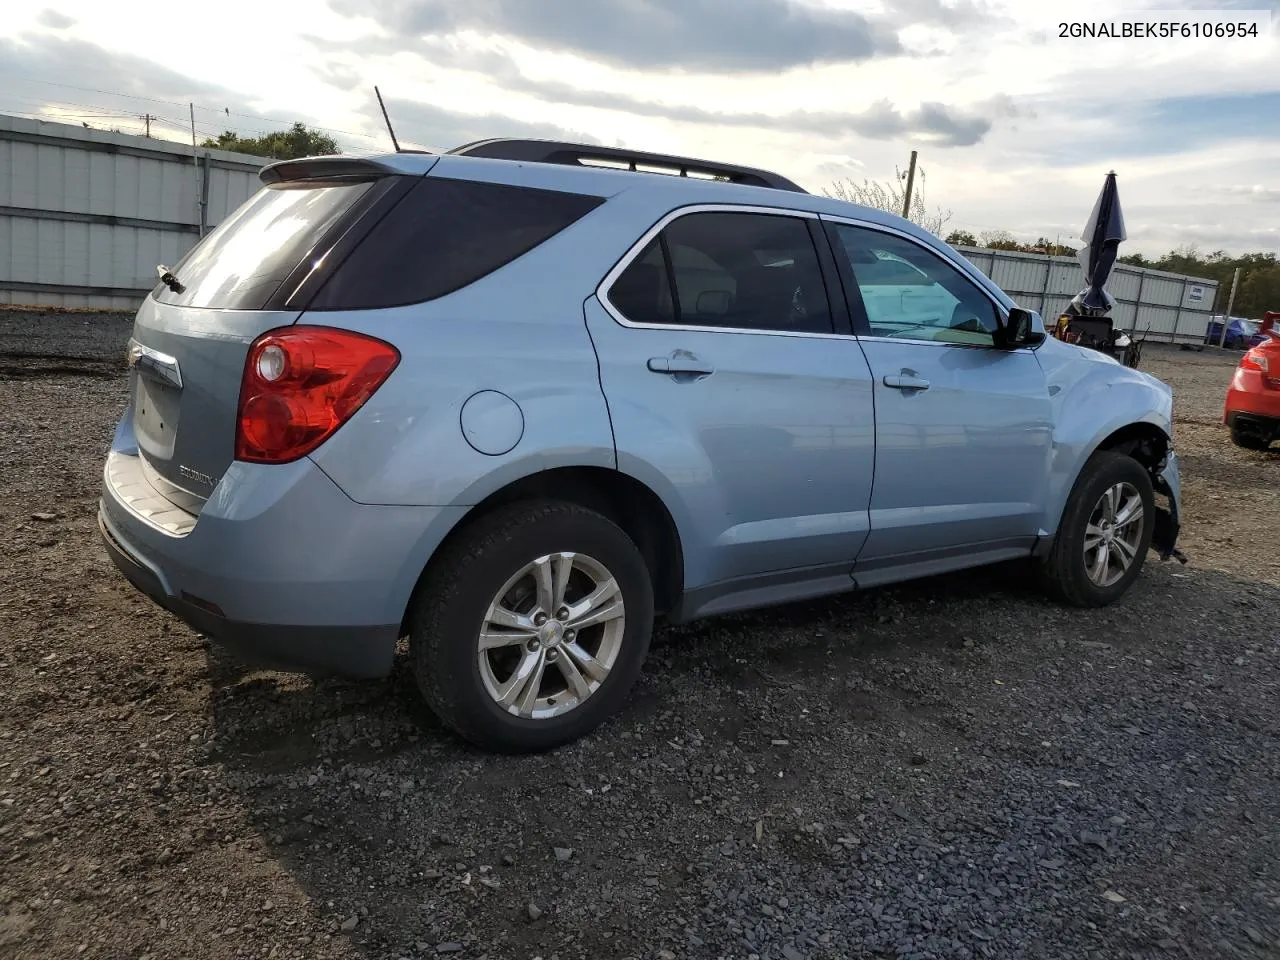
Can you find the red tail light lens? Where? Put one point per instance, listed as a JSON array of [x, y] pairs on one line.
[[1254, 359], [301, 384]]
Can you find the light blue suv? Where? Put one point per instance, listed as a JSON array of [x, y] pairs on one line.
[[515, 401]]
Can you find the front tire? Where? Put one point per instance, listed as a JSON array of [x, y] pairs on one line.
[[1104, 535], [531, 627]]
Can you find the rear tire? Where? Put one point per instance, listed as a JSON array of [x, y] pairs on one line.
[[1099, 550], [1249, 441], [478, 625]]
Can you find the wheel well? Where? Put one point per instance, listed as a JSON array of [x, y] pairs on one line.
[[1145, 442], [624, 500]]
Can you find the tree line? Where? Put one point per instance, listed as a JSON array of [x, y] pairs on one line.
[[298, 141]]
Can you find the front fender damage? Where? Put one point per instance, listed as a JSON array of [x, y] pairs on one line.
[[1167, 483]]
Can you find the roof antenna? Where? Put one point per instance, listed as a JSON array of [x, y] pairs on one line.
[[394, 141]]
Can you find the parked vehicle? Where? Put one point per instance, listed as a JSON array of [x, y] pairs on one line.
[[1252, 407], [513, 406], [1242, 333]]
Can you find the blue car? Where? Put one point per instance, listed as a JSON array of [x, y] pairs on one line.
[[516, 401], [1241, 333]]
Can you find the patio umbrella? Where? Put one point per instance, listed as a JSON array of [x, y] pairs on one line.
[[1101, 236]]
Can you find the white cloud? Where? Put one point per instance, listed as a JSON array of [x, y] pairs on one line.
[[1033, 122]]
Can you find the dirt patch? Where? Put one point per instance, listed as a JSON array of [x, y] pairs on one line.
[[956, 768]]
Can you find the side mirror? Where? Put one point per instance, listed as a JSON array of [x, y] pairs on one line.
[[1019, 330]]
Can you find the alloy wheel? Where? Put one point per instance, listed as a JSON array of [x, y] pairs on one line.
[[551, 635], [1113, 534]]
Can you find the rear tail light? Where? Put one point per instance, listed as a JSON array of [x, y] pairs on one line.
[[1254, 359], [301, 384]]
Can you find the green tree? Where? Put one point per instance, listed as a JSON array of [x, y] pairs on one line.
[[298, 141], [1259, 289], [962, 238]]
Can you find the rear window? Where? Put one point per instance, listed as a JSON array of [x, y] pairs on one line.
[[241, 263], [444, 235]]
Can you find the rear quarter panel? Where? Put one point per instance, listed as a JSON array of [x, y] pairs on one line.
[[1092, 398], [519, 331]]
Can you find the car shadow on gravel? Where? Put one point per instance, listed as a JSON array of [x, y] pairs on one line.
[[265, 718], [927, 713]]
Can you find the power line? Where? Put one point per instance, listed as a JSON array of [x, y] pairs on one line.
[[96, 108], [109, 93], [223, 111]]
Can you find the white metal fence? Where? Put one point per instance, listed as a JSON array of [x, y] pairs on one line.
[[1167, 306], [85, 215]]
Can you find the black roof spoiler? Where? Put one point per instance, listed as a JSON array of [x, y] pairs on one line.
[[581, 154], [325, 168]]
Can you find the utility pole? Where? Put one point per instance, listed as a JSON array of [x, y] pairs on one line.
[[911, 182], [1231, 302], [146, 118]]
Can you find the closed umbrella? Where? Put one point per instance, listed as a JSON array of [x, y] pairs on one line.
[[1102, 236], [1091, 307]]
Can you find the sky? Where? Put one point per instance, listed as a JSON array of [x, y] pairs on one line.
[[1015, 127]]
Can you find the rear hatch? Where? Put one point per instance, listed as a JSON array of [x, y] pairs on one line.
[[252, 274]]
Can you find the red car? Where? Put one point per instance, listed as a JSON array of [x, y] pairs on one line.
[[1252, 409]]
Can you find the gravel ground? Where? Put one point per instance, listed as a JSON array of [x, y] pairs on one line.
[[951, 769]]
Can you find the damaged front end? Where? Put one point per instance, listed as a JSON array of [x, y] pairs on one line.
[[1166, 482]]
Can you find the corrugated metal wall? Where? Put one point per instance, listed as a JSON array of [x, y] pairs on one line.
[[1167, 306], [85, 215]]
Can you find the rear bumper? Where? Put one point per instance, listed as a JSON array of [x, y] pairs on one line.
[[1263, 426], [280, 566], [349, 651], [1251, 394], [1252, 405]]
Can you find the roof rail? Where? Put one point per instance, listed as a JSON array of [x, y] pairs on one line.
[[581, 154]]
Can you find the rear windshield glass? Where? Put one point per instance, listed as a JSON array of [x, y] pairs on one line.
[[444, 235], [241, 263]]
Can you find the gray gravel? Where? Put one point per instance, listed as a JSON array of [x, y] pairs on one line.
[[951, 769]]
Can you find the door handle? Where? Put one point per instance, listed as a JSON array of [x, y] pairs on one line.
[[681, 363], [906, 382], [159, 366]]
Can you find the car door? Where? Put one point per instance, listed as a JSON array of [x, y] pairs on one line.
[[731, 396], [963, 428]]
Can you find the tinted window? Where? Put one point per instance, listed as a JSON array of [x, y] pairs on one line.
[[738, 270], [242, 262], [643, 294], [444, 235], [912, 293]]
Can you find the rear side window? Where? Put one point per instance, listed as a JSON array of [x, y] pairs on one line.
[[241, 263], [740, 271], [444, 235]]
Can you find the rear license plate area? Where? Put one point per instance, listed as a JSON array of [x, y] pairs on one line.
[[155, 416]]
